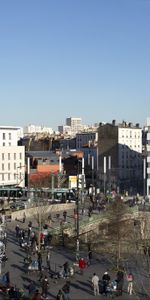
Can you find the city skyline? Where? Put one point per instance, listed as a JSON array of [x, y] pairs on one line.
[[83, 58]]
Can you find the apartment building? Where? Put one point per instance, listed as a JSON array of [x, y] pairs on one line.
[[12, 158], [34, 129], [73, 125], [121, 145]]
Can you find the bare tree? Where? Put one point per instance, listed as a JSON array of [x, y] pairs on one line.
[[120, 226]]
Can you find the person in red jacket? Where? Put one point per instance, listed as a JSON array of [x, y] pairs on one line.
[[82, 265]]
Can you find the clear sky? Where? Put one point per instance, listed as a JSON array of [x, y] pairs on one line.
[[81, 58]]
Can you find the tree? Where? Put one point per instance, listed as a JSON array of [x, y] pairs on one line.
[[120, 226]]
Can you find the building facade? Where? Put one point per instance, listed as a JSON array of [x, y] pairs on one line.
[[12, 158], [33, 129], [120, 156]]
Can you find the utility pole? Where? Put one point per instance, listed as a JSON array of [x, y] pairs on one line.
[[40, 225], [77, 221], [52, 187], [28, 172], [83, 180], [109, 171], [144, 177], [104, 175], [93, 178], [60, 170]]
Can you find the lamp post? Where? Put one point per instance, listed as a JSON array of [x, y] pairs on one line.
[[144, 176], [93, 176], [109, 172], [77, 223], [104, 175]]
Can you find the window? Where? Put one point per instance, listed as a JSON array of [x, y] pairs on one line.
[[9, 144], [14, 156], [8, 166], [3, 144], [8, 176], [3, 177], [14, 175], [14, 166], [9, 136], [8, 156], [3, 156], [20, 155], [4, 136], [3, 167]]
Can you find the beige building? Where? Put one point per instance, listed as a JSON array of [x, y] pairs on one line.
[[12, 158]]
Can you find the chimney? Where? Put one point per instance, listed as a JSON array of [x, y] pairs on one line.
[[130, 124], [137, 125], [113, 122]]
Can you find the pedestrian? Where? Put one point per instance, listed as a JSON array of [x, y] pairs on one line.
[[17, 229], [37, 295], [48, 260], [39, 261], [89, 257], [66, 269], [50, 220], [45, 287], [31, 289], [29, 232], [120, 281], [82, 265], [24, 217], [65, 215], [60, 295], [106, 280], [130, 283], [95, 282], [66, 290]]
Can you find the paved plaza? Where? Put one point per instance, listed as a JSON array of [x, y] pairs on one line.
[[81, 287]]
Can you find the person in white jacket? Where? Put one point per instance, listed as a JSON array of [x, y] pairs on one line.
[[95, 283]]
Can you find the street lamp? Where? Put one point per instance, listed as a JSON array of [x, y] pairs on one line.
[[77, 223]]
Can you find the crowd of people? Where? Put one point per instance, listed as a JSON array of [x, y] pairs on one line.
[[112, 287]]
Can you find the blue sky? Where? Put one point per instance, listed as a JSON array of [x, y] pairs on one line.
[[81, 58]]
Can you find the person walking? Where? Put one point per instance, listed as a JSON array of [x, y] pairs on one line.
[[31, 289], [130, 283], [82, 265], [66, 290], [95, 282], [120, 281], [37, 295], [39, 261], [24, 217], [17, 229], [45, 287], [60, 295], [89, 256], [106, 280], [48, 260]]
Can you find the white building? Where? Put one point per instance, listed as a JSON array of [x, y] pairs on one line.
[[122, 145], [12, 158], [148, 157], [130, 150], [75, 124], [64, 129], [33, 129]]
